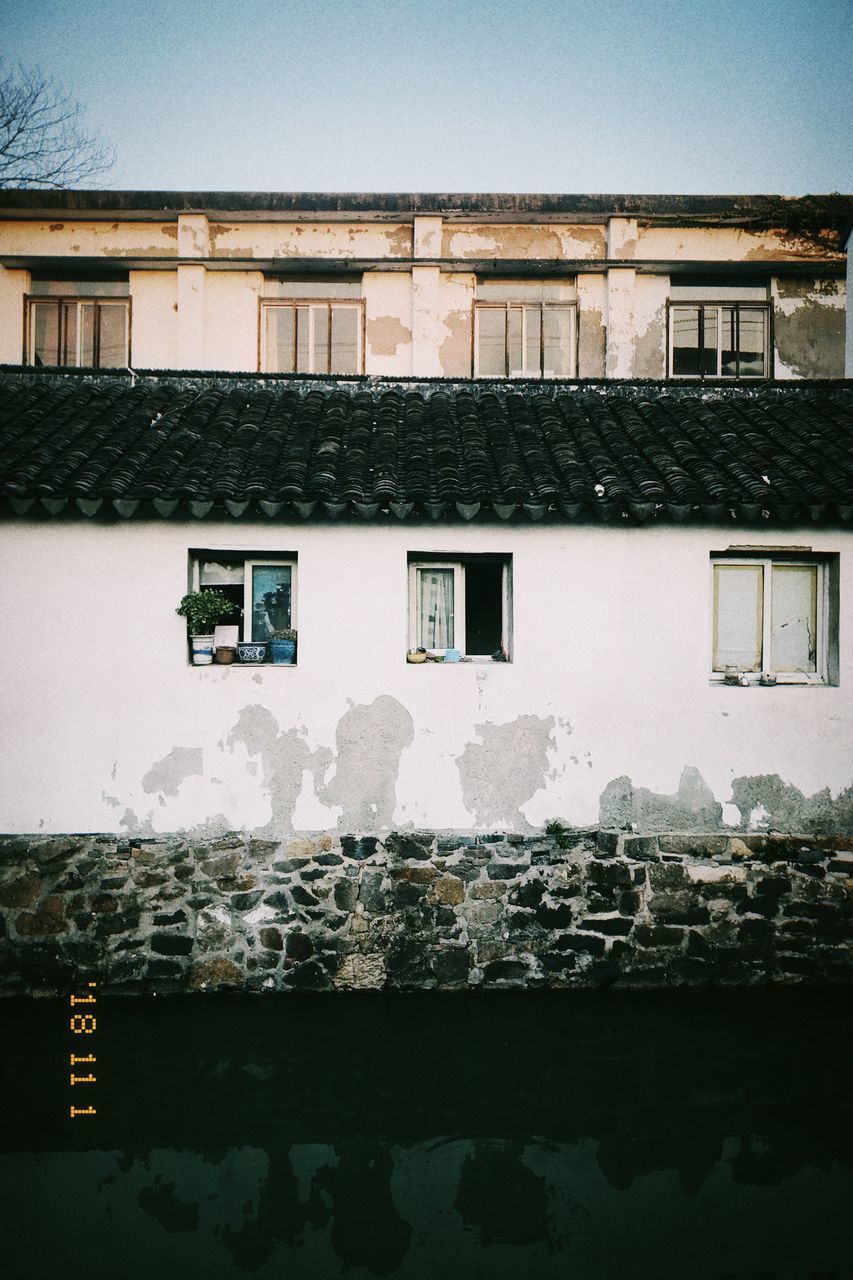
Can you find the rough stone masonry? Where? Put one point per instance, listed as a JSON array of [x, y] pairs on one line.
[[423, 910]]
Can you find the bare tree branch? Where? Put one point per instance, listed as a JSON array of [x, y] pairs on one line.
[[42, 141]]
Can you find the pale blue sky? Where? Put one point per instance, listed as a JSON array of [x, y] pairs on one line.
[[456, 95]]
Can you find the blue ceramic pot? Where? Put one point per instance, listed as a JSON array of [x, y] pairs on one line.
[[283, 651], [252, 651]]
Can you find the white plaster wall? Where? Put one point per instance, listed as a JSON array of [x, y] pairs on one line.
[[611, 647], [13, 287], [231, 319], [388, 323], [318, 239], [154, 319]]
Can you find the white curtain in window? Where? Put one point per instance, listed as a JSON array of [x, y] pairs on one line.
[[435, 608]]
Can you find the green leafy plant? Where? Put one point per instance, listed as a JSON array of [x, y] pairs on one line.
[[559, 833], [204, 609], [283, 633]]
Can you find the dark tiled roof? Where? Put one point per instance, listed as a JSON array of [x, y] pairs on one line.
[[179, 444]]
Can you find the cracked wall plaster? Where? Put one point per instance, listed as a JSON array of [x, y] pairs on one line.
[[284, 756], [166, 775], [765, 801], [369, 740], [505, 769], [693, 807]]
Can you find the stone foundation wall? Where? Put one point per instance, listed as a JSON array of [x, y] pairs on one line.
[[420, 910]]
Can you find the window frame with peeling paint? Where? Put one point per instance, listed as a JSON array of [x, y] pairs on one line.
[[525, 309], [79, 308], [310, 308], [768, 566], [459, 565]]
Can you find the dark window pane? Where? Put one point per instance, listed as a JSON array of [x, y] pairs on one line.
[[753, 344], [483, 606], [685, 341]]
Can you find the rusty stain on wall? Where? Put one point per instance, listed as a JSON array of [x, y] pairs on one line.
[[284, 756], [505, 769], [785, 808], [693, 807], [455, 351], [166, 775], [385, 334], [369, 741]]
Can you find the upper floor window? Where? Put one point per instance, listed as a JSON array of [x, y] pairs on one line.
[[79, 323], [525, 330], [719, 330], [312, 327]]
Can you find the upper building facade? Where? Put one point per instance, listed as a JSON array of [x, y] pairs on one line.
[[740, 288]]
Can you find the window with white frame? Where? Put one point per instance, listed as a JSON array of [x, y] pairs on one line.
[[775, 615], [719, 330], [260, 587], [80, 323], [525, 330], [312, 327], [461, 604]]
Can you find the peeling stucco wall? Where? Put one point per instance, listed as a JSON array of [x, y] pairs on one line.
[[605, 704], [528, 240], [504, 768], [809, 327]]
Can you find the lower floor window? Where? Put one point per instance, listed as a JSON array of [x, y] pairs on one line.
[[262, 590], [777, 615], [462, 605]]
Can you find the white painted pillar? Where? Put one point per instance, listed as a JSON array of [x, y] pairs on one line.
[[426, 307], [193, 242], [621, 282]]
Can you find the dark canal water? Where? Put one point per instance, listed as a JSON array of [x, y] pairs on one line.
[[658, 1136]]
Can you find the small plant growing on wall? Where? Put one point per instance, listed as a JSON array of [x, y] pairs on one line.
[[559, 833]]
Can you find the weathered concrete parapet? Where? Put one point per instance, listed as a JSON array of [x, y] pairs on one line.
[[423, 910]]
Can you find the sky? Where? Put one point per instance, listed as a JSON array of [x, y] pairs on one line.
[[690, 96]]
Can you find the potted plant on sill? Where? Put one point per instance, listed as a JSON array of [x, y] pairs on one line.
[[283, 646], [203, 610]]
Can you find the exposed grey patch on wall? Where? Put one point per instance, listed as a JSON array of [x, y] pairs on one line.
[[785, 808], [370, 740], [135, 827], [692, 808], [650, 348], [810, 339], [505, 769], [284, 755], [166, 775], [112, 801]]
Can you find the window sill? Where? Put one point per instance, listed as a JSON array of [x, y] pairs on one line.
[[789, 682]]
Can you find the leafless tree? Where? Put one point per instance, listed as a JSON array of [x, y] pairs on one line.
[[42, 139]]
